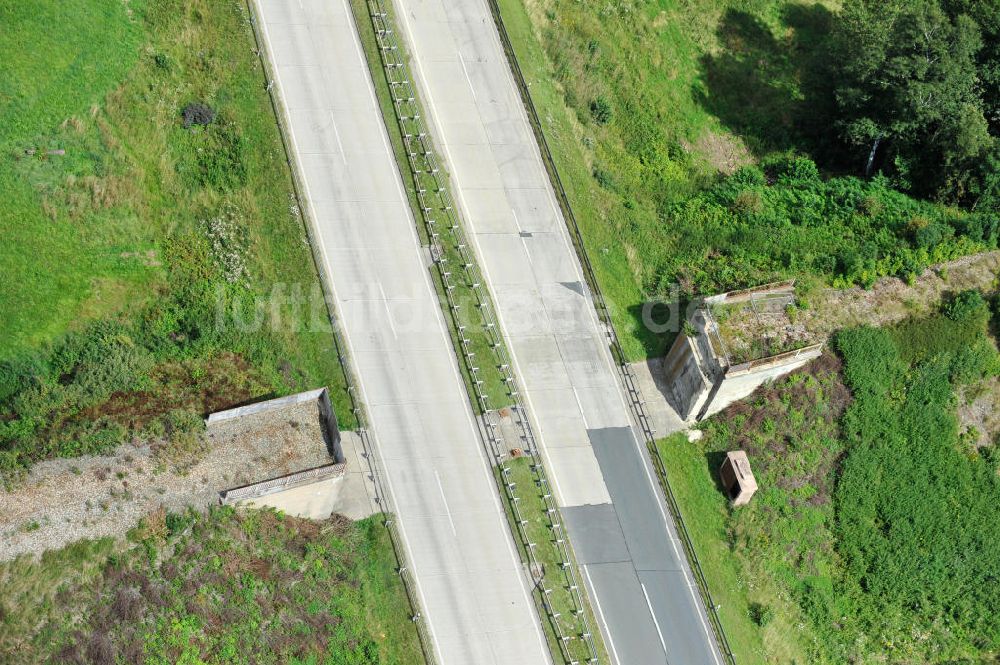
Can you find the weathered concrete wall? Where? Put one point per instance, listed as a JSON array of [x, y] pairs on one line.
[[700, 380], [345, 489], [740, 382], [322, 395], [682, 372], [315, 501], [743, 295], [282, 483]]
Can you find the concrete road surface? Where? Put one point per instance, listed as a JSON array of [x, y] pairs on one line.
[[469, 580], [639, 577]]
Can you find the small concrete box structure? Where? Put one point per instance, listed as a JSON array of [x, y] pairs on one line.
[[737, 478]]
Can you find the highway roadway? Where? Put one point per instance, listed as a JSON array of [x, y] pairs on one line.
[[634, 565], [469, 579]]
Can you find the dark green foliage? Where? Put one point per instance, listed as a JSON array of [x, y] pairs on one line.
[[761, 614], [915, 514], [703, 87], [967, 306], [744, 231], [600, 110], [909, 97]]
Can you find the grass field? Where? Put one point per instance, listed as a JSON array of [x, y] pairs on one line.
[[658, 115], [116, 213], [222, 587]]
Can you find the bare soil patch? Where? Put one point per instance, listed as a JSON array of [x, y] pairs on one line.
[[892, 300]]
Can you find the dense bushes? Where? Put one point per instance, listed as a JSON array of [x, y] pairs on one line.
[[916, 517], [784, 220], [916, 90]]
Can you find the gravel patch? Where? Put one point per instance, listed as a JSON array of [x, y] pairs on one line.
[[65, 500]]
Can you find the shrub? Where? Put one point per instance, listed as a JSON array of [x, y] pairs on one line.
[[216, 157], [600, 110], [185, 437], [195, 113], [748, 202], [761, 614], [603, 178], [967, 306], [798, 172]]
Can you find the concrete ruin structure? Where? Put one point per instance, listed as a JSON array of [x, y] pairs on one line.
[[737, 478], [325, 484], [712, 365]]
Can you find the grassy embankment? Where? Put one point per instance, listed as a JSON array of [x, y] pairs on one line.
[[223, 587], [532, 506], [123, 246], [868, 539], [646, 108]]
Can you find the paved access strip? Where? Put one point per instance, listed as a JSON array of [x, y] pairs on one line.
[[615, 512], [468, 579]]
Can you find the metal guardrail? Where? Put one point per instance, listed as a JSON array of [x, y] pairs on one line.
[[443, 225], [382, 495], [627, 377]]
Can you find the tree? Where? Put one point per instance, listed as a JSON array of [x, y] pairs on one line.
[[908, 92], [986, 14]]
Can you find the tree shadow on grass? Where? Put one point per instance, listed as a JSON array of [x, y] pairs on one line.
[[773, 91]]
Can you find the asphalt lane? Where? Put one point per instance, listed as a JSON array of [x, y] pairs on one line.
[[469, 579], [639, 578]]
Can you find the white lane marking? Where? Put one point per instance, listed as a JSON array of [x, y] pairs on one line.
[[600, 615], [388, 312], [347, 338], [653, 614], [336, 132], [445, 502], [517, 222], [439, 316], [549, 467], [467, 77], [519, 232], [579, 404], [565, 235]]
